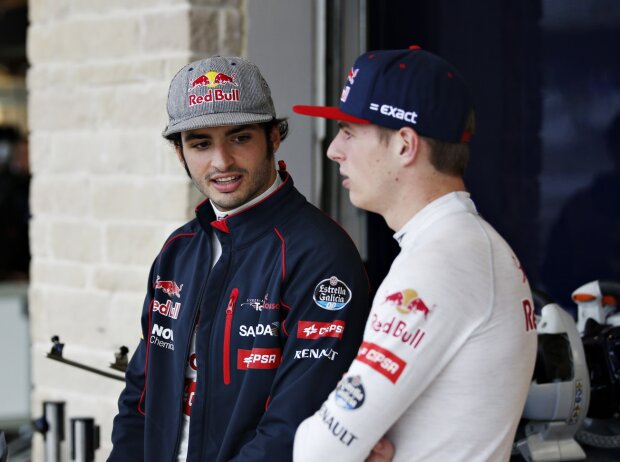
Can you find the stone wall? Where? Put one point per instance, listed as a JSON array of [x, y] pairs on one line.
[[107, 189]]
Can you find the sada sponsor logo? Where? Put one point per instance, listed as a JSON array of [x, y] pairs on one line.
[[350, 393], [272, 330], [332, 294]]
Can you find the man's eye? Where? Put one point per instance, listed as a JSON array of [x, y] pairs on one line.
[[241, 138], [201, 145]]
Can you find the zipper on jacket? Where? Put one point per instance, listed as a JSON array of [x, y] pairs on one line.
[[229, 317]]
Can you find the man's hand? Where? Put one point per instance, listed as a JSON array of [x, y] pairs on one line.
[[382, 452]]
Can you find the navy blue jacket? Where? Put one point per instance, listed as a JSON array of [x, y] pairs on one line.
[[279, 319]]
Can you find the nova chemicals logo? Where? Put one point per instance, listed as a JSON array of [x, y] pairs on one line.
[[332, 294], [162, 337], [350, 393]]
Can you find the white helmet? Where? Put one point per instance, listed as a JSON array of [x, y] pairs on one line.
[[559, 395]]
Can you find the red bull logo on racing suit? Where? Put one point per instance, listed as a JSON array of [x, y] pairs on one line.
[[407, 301]]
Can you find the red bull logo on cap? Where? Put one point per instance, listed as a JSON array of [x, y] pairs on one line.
[[407, 301], [212, 80]]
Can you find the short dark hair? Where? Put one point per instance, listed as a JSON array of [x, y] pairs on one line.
[[281, 124], [448, 158], [452, 158]]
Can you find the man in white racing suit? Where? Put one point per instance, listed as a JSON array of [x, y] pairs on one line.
[[449, 348]]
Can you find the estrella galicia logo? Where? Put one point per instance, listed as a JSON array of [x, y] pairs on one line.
[[332, 294], [350, 393]]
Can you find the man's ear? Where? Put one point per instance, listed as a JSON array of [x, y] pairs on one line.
[[179, 150], [275, 138], [408, 145]]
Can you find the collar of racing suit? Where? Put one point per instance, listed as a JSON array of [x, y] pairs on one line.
[[249, 224]]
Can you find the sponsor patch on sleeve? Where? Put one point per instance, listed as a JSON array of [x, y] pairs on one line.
[[381, 360], [350, 393], [332, 294], [313, 330], [258, 358]]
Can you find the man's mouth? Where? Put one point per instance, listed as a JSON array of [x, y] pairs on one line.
[[226, 179], [226, 183]]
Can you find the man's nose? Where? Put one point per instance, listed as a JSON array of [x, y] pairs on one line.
[[222, 158], [333, 151]]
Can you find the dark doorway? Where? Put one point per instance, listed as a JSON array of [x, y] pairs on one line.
[[498, 54]]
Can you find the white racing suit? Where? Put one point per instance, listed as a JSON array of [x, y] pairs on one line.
[[448, 350]]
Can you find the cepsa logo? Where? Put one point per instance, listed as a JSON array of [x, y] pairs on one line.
[[312, 330], [211, 80], [383, 361], [407, 301], [258, 358]]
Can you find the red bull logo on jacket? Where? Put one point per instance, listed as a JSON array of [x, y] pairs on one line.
[[170, 288], [407, 301], [212, 80], [167, 309]]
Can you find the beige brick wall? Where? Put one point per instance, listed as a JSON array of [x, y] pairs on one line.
[[107, 189]]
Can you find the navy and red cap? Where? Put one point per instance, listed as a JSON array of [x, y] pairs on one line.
[[398, 88]]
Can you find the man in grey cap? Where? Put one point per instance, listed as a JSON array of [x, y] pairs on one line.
[[255, 308]]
